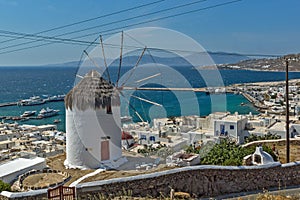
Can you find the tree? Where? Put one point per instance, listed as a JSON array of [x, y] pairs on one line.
[[230, 154], [4, 186]]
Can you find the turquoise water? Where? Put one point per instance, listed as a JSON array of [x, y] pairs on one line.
[[22, 82]]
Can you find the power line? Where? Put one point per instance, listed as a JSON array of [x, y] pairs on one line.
[[91, 19], [93, 27], [162, 18], [81, 42], [136, 17], [109, 31], [173, 50], [40, 38]]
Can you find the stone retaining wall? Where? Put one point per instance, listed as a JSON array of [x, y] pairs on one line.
[[199, 181]]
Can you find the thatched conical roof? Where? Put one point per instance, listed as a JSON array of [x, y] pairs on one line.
[[93, 92]]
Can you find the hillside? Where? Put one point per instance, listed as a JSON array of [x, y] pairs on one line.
[[168, 59], [221, 59], [266, 64]]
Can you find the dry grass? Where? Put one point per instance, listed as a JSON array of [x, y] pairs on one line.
[[57, 163], [43, 179], [117, 174], [294, 153], [267, 196]]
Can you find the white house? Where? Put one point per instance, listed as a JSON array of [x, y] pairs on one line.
[[9, 171], [231, 126], [148, 136], [93, 134]]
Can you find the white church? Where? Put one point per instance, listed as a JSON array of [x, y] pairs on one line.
[[93, 133]]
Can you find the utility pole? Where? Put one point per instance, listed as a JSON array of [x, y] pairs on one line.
[[287, 111]]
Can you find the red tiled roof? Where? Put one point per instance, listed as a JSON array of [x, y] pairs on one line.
[[126, 136]]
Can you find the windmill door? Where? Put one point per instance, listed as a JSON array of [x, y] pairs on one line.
[[105, 150]]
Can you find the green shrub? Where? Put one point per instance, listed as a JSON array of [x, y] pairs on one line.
[[230, 154], [4, 186]]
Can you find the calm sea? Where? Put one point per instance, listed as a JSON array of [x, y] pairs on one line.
[[23, 82]]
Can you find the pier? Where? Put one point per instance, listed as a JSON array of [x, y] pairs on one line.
[[34, 100], [8, 104], [204, 89], [255, 102], [166, 89]]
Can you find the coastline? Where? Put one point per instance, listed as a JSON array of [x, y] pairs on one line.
[[261, 83], [259, 95]]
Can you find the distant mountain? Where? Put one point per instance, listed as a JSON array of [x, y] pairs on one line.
[[217, 57], [66, 64], [266, 64], [225, 58]]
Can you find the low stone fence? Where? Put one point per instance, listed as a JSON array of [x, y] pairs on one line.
[[279, 142], [199, 181]]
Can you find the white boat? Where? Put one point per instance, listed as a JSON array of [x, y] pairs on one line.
[[126, 119], [28, 113], [56, 121], [56, 98], [35, 100], [48, 112]]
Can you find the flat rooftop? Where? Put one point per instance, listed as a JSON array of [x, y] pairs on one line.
[[278, 126], [233, 118], [18, 165]]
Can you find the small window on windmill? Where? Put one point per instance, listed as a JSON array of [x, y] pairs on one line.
[[105, 138], [108, 108]]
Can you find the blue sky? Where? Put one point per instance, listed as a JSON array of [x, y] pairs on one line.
[[248, 26]]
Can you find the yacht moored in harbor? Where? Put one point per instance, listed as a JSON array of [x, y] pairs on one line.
[[28, 113], [48, 112], [56, 98]]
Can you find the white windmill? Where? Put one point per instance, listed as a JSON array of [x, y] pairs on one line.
[[93, 134]]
